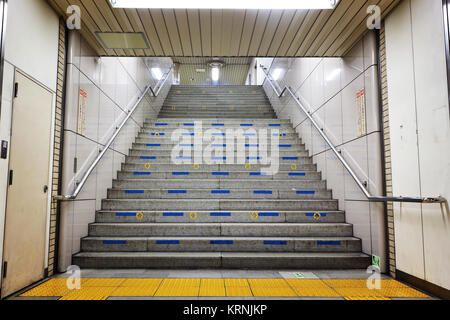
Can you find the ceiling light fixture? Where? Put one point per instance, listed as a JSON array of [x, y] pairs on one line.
[[229, 4], [215, 74]]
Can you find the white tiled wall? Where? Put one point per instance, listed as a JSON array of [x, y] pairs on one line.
[[113, 85], [327, 87], [420, 137]]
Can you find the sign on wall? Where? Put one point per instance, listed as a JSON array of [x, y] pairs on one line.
[[361, 109], [81, 128]]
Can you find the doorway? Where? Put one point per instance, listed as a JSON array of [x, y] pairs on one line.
[[28, 192]]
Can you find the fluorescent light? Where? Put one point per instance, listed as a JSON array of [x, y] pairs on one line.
[[215, 74], [157, 73], [277, 74], [229, 4]]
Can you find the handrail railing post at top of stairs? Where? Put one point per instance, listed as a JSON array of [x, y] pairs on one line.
[[371, 198], [91, 168]]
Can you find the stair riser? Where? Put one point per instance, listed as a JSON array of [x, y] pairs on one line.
[[227, 205], [157, 167], [213, 217], [212, 124], [215, 184], [147, 138], [204, 245], [304, 163], [224, 230], [208, 175], [248, 151], [214, 194], [168, 153]]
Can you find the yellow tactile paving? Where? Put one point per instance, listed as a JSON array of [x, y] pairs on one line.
[[358, 292], [273, 292], [212, 288], [102, 288], [89, 293], [236, 283], [402, 293], [316, 292], [141, 283], [134, 291], [103, 282], [238, 292], [307, 283]]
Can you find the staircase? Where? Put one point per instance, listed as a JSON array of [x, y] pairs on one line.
[[162, 215]]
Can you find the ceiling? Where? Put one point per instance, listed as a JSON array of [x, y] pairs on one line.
[[230, 74], [229, 33]]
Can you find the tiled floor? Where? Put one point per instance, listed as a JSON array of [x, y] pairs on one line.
[[221, 284]]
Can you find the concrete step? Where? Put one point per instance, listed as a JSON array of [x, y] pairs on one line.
[[163, 136], [219, 168], [216, 138], [225, 121], [231, 115], [249, 147], [220, 216], [199, 174], [208, 183], [216, 204], [288, 154], [164, 159], [258, 192], [221, 229], [225, 260], [221, 244]]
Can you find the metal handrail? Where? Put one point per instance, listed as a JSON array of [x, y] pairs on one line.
[[371, 198], [80, 186]]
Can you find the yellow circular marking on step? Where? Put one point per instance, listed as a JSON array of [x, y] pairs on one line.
[[174, 108], [317, 216], [203, 91], [196, 166], [254, 92], [294, 166], [148, 166], [157, 134], [140, 215], [259, 108], [254, 215], [178, 92], [200, 134], [231, 91], [248, 166], [203, 107], [193, 215], [232, 108]]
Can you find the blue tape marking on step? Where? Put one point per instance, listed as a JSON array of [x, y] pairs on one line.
[[126, 214], [189, 124], [290, 158], [246, 125], [167, 241], [221, 242], [328, 243], [268, 214], [305, 192], [114, 242], [218, 145], [173, 214], [311, 214], [262, 192], [134, 191], [153, 145], [187, 134], [137, 173], [297, 174], [220, 214], [220, 173], [254, 158], [249, 134], [184, 158], [177, 191], [218, 134], [271, 243], [186, 144], [258, 174], [274, 125], [251, 145], [161, 124], [160, 134], [179, 173], [285, 146], [148, 158], [220, 191], [218, 124], [218, 158]]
